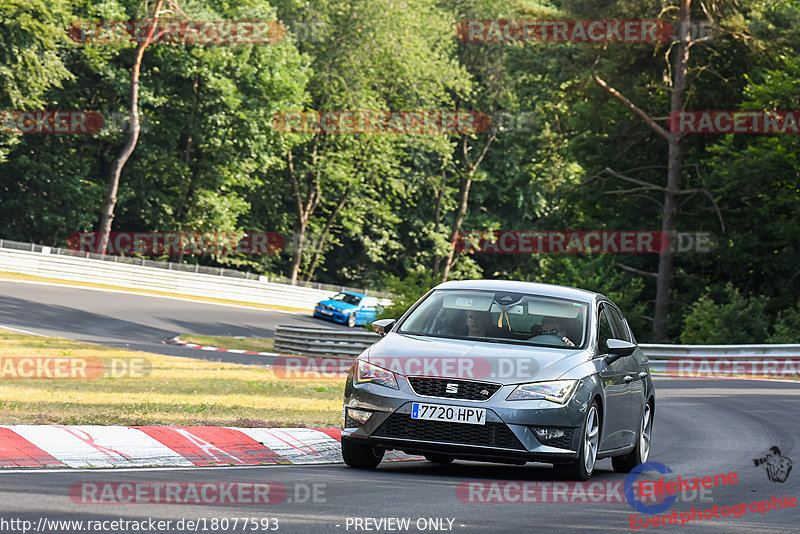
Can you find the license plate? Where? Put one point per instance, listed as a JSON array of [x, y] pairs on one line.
[[326, 312], [450, 414]]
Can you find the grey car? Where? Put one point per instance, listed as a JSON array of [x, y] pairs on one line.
[[502, 371]]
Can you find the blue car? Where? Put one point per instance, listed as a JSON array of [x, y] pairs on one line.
[[349, 308]]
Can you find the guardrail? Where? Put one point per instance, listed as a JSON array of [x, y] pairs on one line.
[[746, 355], [194, 268], [320, 342], [122, 272]]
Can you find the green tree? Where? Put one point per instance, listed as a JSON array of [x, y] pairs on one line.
[[733, 319]]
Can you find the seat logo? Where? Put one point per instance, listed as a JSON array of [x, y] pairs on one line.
[[451, 388]]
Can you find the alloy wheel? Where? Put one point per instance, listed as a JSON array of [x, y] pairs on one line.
[[591, 439], [644, 433]]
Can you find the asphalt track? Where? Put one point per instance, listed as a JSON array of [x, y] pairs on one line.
[[702, 428], [137, 321]]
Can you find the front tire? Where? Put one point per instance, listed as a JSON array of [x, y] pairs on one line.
[[351, 320], [582, 468], [640, 453], [361, 455]]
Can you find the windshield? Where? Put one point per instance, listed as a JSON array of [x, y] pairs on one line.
[[500, 317], [347, 298]]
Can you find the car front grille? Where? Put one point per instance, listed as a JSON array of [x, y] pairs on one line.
[[465, 389], [487, 435]]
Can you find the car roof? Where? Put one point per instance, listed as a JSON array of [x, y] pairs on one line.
[[515, 286], [352, 293]]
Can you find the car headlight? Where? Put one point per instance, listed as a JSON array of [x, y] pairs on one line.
[[366, 372], [554, 390]]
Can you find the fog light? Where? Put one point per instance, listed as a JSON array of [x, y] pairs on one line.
[[548, 434], [360, 416]]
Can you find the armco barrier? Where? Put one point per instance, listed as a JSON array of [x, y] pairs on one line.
[[745, 354], [318, 342], [150, 275]]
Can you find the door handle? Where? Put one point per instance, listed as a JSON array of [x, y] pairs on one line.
[[642, 374], [628, 378]]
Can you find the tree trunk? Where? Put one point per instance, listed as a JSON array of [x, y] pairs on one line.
[[461, 212], [107, 215], [463, 198], [305, 207], [669, 218], [437, 219], [669, 215], [326, 231]]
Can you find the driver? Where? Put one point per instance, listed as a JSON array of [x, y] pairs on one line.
[[552, 325], [478, 323]]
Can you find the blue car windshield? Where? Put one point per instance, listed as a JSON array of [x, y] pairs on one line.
[[347, 298], [500, 317]]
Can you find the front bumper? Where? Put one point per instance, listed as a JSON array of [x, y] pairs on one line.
[[335, 315], [507, 435]]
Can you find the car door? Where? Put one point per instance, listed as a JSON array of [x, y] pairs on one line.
[[616, 386], [635, 374], [367, 310]]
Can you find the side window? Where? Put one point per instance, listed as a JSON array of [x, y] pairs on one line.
[[618, 324], [603, 331]]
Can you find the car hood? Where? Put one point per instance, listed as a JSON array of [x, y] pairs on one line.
[[414, 355], [337, 304]]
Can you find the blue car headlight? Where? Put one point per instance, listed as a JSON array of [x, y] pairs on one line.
[[366, 372], [554, 390]]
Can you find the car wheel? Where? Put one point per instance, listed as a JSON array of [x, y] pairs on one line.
[[640, 453], [582, 468], [351, 320], [361, 455], [439, 458]]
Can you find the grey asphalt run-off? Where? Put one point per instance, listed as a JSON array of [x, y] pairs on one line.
[[139, 321]]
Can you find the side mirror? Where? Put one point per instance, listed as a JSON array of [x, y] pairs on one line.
[[618, 349], [382, 326]]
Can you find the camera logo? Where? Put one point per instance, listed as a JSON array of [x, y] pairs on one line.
[[778, 467]]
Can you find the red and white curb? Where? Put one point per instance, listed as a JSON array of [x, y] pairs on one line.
[[177, 341], [173, 446]]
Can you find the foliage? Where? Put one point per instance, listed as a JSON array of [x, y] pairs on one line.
[[734, 319], [408, 290], [787, 327]]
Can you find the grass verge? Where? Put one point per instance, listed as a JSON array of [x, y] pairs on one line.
[[178, 391]]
